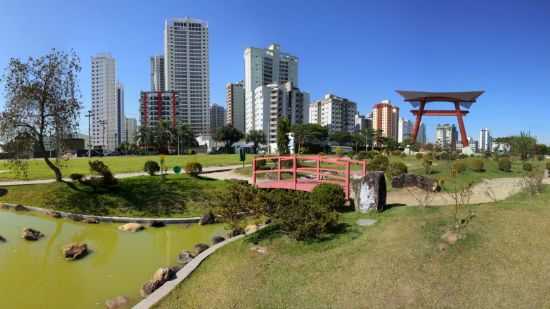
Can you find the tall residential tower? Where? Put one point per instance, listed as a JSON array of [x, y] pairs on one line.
[[157, 73], [385, 117], [234, 100]]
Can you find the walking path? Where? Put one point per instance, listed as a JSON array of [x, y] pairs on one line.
[[206, 170]]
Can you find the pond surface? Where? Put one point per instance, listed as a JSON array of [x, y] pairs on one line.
[[35, 274]]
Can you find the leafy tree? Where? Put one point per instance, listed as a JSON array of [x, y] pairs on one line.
[[283, 128], [378, 137], [42, 103], [341, 138], [257, 137], [358, 141], [228, 135], [309, 133], [186, 137]]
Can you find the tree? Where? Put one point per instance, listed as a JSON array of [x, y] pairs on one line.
[[42, 102], [186, 137], [378, 137], [228, 135], [283, 128], [256, 137], [341, 138], [309, 133], [358, 140]]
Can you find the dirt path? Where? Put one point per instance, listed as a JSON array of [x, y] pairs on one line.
[[489, 190]]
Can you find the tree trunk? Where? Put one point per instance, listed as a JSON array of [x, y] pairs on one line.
[[54, 168]]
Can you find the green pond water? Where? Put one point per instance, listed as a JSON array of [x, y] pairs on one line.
[[35, 274]]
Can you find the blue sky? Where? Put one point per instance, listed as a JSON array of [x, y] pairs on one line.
[[362, 50]]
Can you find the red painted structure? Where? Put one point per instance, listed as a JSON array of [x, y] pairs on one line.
[[305, 172], [460, 99]]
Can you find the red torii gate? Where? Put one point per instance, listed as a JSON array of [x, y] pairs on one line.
[[460, 99]]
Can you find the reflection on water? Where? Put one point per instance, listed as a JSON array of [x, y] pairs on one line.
[[35, 275]]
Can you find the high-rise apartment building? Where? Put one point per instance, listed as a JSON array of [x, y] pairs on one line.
[[157, 73], [235, 105], [385, 118], [186, 67], [120, 134], [404, 130], [131, 130], [446, 136], [157, 106], [485, 140], [265, 66], [335, 113], [362, 122], [107, 103], [217, 117], [421, 138], [275, 101]]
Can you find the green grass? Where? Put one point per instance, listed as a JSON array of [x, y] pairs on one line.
[[502, 263], [127, 164], [146, 196]]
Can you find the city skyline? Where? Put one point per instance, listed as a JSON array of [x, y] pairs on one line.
[[367, 72]]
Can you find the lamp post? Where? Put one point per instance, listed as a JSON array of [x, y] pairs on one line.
[[89, 115]]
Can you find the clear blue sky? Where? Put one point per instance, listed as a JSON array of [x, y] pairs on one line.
[[362, 50]]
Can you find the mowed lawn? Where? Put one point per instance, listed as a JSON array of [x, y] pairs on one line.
[[502, 263], [144, 196], [123, 164]]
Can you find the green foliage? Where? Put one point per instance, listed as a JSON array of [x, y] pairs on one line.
[[238, 203], [477, 165], [228, 135], [505, 164], [418, 156], [310, 137], [257, 137], [283, 128], [107, 177], [362, 155], [540, 157], [396, 153], [330, 195], [379, 163], [527, 166], [397, 168], [76, 177], [193, 168], [459, 166], [151, 167], [427, 165]]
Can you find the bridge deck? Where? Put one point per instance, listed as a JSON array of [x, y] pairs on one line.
[[301, 184]]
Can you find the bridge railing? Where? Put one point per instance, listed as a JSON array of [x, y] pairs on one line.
[[307, 171]]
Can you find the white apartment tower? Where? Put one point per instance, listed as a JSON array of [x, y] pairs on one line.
[[265, 66], [485, 140], [186, 68], [446, 136], [131, 130], [107, 103], [234, 100], [335, 113], [157, 73], [405, 128]]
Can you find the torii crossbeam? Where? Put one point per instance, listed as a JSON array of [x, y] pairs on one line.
[[460, 99]]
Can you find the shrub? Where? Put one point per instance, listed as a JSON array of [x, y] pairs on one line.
[[398, 168], [442, 155], [379, 163], [427, 164], [505, 164], [396, 153], [418, 156], [76, 177], [462, 156], [240, 201], [477, 165], [330, 195], [429, 156], [527, 167], [107, 178], [540, 157], [459, 166], [361, 155], [151, 167], [193, 168]]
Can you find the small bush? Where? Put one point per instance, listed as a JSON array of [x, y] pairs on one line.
[[151, 167], [459, 166], [540, 157], [505, 164], [477, 165], [239, 202], [527, 167], [427, 164], [379, 163], [429, 156], [398, 168], [193, 168], [442, 155], [330, 195], [107, 178], [396, 153], [76, 177], [418, 156], [361, 155]]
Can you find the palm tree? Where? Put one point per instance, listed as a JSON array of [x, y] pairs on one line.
[[256, 137]]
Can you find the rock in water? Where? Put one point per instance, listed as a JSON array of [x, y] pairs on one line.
[[200, 248], [2, 239], [91, 220], [117, 302], [30, 234], [159, 278], [208, 218], [157, 224], [21, 208], [249, 229], [217, 239], [53, 214], [185, 257], [131, 227], [75, 251]]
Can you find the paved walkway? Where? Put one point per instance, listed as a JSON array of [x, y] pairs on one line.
[[206, 170]]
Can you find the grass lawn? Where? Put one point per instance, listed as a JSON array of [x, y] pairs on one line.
[[126, 164], [146, 196], [502, 263]]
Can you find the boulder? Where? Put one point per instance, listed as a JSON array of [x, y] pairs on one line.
[[410, 180], [91, 220], [185, 257], [21, 208], [117, 302], [2, 239], [235, 232], [369, 192], [5, 206], [157, 224], [217, 239], [75, 251], [76, 218], [174, 269], [30, 234], [398, 181], [251, 228], [259, 249], [200, 248], [53, 214], [207, 218], [148, 288], [131, 227], [159, 278]]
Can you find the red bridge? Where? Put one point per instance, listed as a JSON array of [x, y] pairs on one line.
[[305, 172]]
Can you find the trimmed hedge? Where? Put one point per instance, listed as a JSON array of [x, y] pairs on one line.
[[379, 163], [477, 165], [505, 164], [398, 168], [193, 168], [459, 166]]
